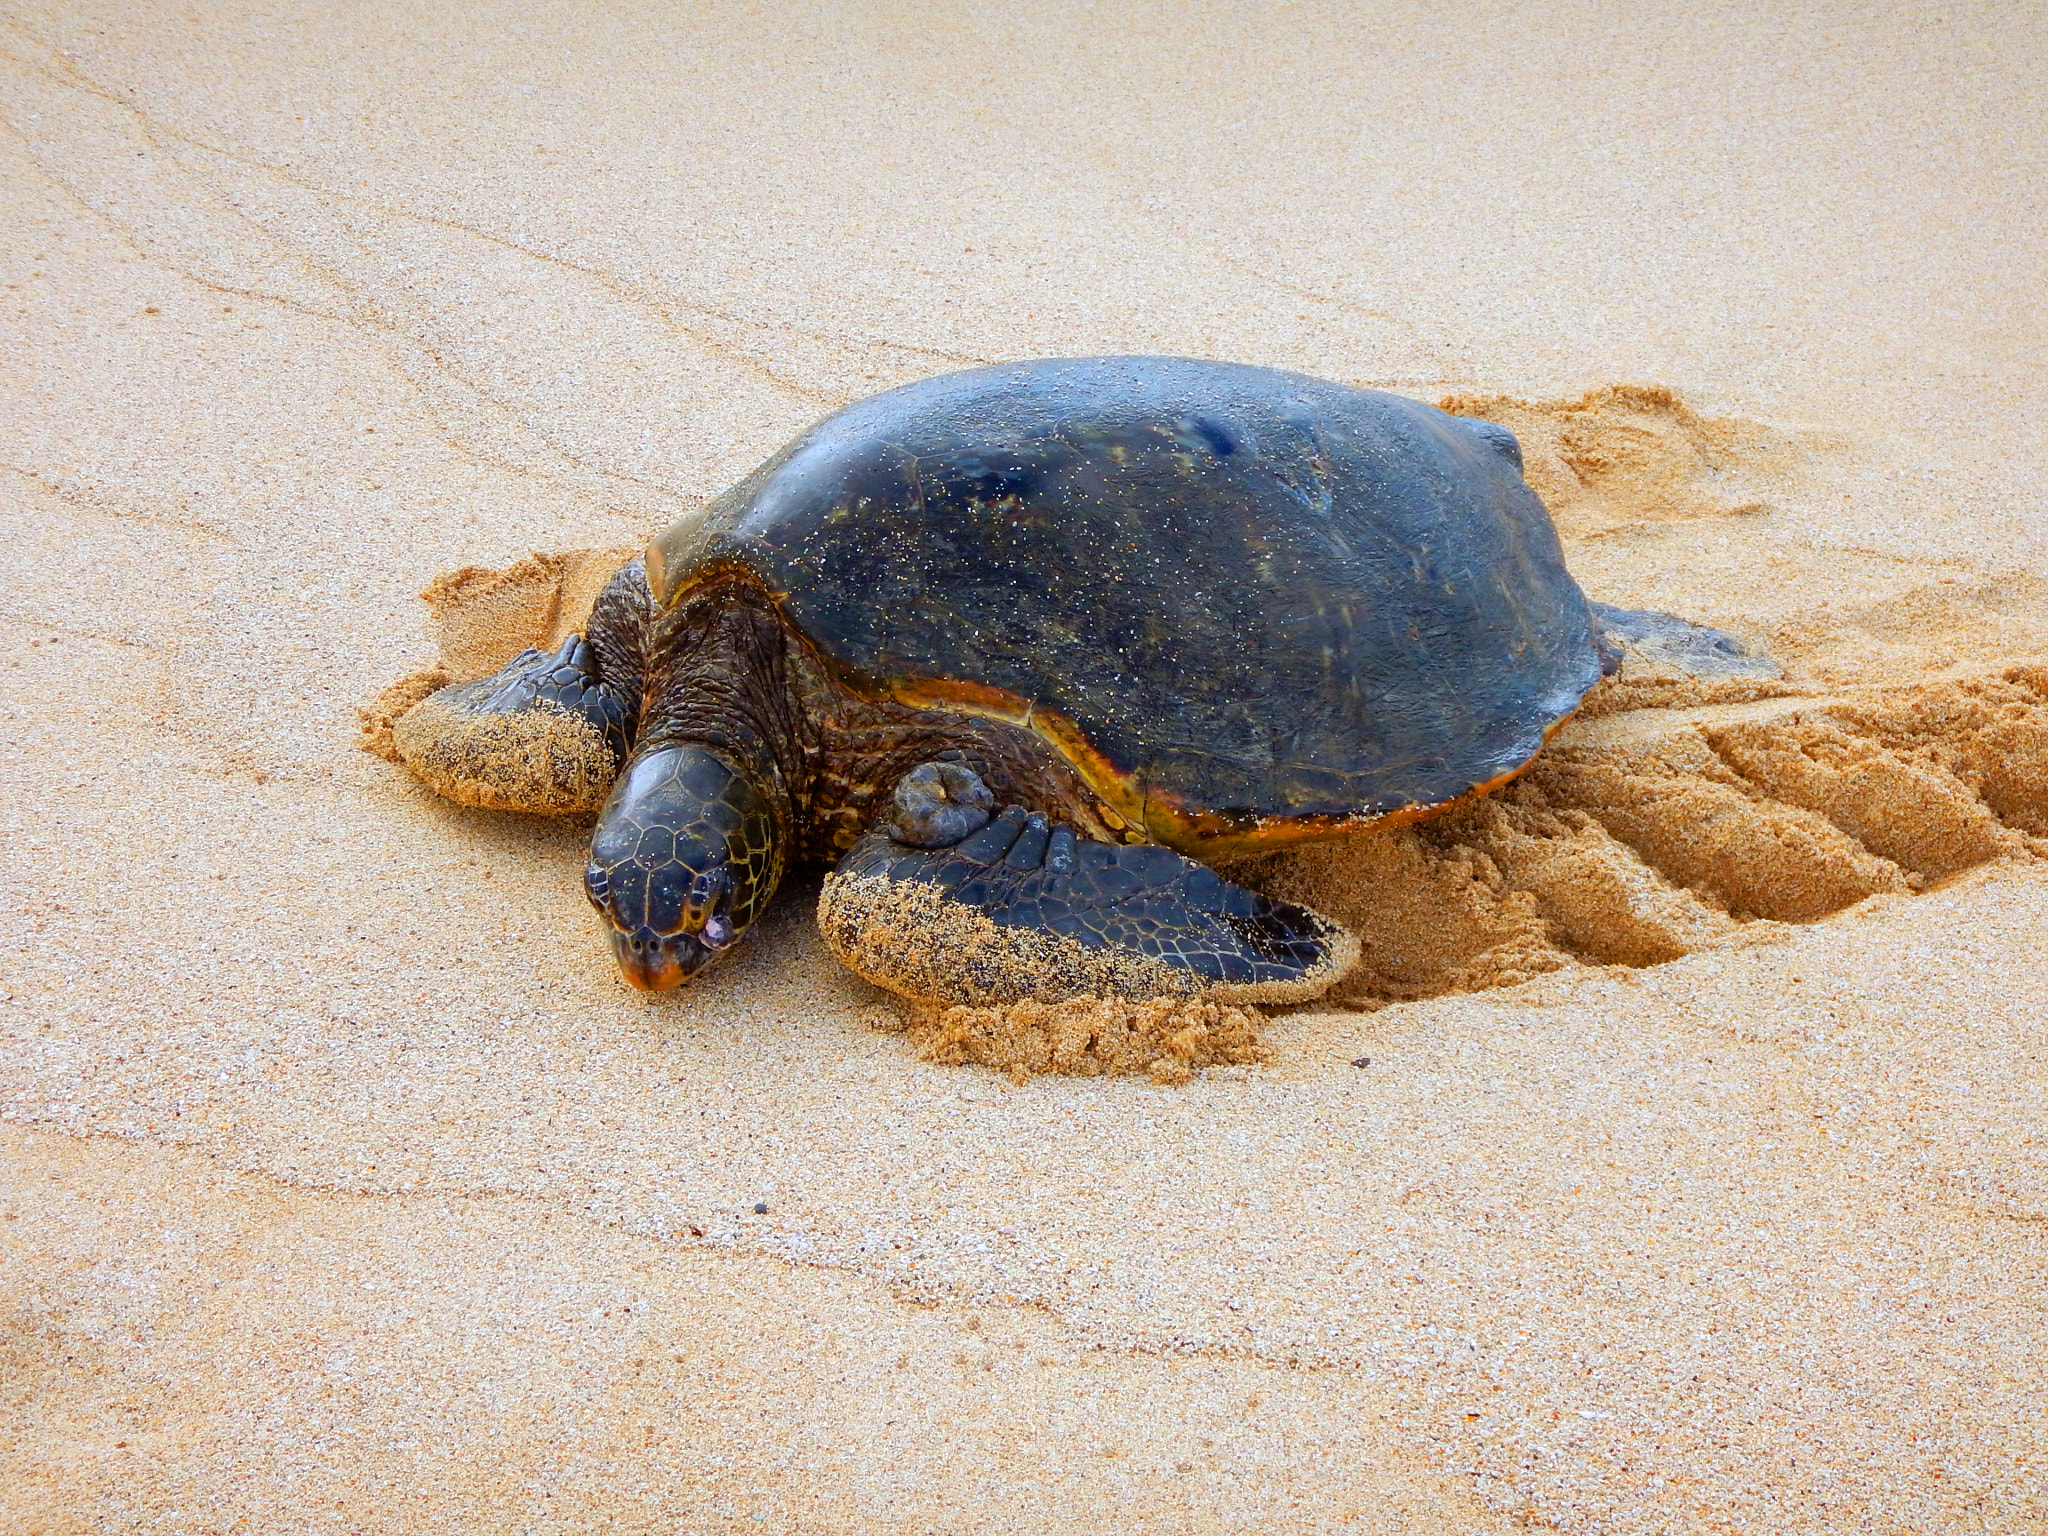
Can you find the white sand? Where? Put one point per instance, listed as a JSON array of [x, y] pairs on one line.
[[346, 1189]]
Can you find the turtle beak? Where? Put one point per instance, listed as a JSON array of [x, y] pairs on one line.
[[664, 925], [655, 964]]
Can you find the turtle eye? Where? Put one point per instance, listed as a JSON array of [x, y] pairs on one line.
[[706, 891]]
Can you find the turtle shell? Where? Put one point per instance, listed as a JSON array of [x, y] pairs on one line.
[[1248, 604]]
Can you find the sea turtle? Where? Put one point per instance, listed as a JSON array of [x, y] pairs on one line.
[[1021, 650]]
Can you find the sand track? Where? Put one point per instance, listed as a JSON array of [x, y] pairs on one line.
[[1646, 835]]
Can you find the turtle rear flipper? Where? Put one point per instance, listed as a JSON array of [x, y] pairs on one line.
[[1663, 639], [1022, 909]]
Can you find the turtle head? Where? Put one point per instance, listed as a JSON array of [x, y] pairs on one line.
[[685, 854]]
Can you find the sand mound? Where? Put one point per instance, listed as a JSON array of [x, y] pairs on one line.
[[1645, 835], [1169, 1039], [1630, 454], [484, 618], [378, 717], [1972, 621]]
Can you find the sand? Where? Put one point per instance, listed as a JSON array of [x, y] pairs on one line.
[[1676, 1163]]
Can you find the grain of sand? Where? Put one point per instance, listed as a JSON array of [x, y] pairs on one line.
[[346, 1190]]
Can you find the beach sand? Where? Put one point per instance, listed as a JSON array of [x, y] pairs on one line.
[[1674, 1162]]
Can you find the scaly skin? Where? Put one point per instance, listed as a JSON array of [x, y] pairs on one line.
[[695, 836], [747, 754], [685, 855]]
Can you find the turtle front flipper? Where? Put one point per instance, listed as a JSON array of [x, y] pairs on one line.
[[546, 732], [1021, 909]]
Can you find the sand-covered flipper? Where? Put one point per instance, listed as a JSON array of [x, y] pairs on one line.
[[1022, 909], [547, 731]]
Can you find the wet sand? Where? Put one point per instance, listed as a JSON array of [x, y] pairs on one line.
[[1695, 1181]]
